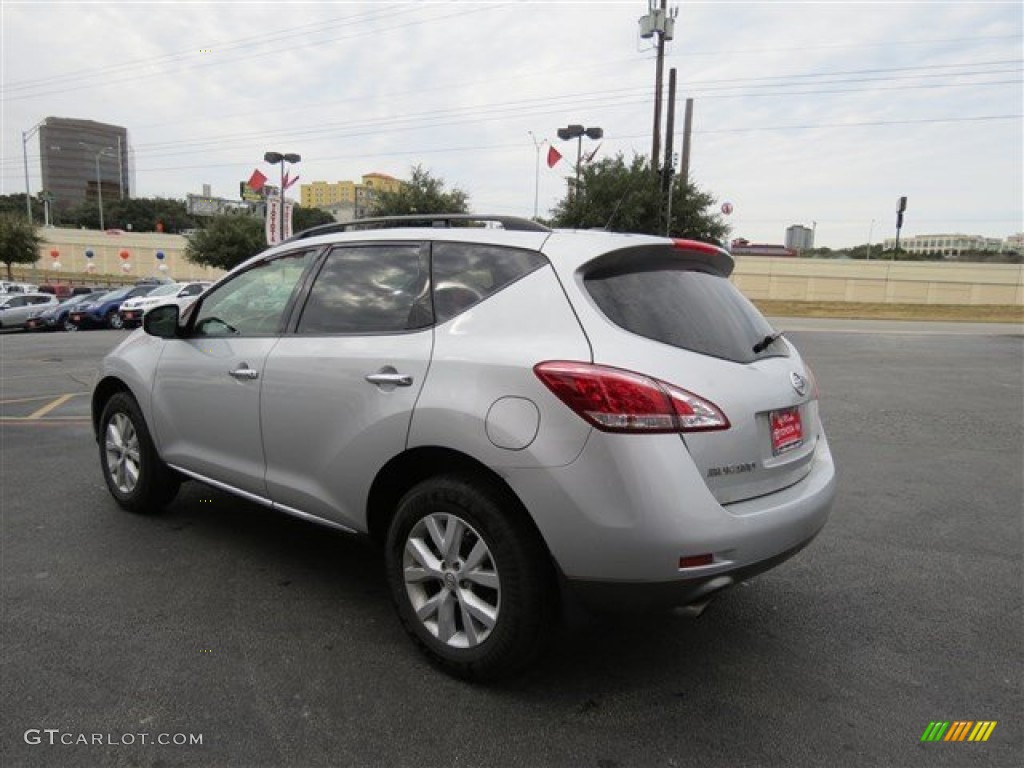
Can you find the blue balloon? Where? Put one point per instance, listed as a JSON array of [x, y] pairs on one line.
[[160, 255], [88, 253]]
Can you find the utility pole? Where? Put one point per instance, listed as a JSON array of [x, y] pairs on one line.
[[660, 22], [669, 167], [670, 127], [687, 131], [659, 69]]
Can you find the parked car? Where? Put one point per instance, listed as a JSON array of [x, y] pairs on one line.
[[16, 308], [60, 291], [55, 317], [11, 287], [104, 311], [517, 415], [181, 294]]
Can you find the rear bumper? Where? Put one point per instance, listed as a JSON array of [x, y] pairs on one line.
[[87, 320], [628, 597], [619, 519]]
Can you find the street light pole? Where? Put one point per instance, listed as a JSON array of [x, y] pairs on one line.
[[536, 171], [99, 177], [275, 158], [25, 136], [578, 132], [99, 189]]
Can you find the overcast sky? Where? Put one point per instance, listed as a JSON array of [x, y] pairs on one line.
[[820, 114]]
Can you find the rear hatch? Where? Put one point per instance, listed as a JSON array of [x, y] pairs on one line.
[[670, 313]]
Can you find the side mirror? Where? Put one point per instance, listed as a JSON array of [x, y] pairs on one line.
[[162, 321]]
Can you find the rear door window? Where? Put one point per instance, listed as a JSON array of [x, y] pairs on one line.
[[683, 307]]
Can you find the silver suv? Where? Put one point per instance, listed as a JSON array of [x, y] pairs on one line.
[[518, 415]]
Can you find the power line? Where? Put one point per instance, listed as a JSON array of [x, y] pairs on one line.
[[604, 99], [95, 72], [220, 63]]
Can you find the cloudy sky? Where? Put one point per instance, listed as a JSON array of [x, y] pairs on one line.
[[814, 113]]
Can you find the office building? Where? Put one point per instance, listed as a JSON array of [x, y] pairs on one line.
[[347, 200], [81, 159], [799, 238]]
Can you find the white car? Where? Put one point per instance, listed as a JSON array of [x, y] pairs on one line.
[[181, 294], [17, 308], [9, 287]]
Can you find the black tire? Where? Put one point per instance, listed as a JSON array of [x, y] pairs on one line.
[[136, 476], [521, 606], [69, 326], [114, 320]]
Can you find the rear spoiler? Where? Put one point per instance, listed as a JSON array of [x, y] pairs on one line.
[[661, 252]]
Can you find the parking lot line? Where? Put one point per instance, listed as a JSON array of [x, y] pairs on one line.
[[49, 407]]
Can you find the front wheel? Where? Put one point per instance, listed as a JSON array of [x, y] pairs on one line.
[[115, 321], [69, 326], [470, 577], [136, 476]]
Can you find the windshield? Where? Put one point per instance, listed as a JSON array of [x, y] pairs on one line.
[[166, 290], [120, 293]]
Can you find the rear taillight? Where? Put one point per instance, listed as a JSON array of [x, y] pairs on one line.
[[616, 400]]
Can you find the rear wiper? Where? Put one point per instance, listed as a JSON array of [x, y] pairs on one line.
[[766, 342]]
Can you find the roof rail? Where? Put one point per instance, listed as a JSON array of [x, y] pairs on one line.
[[440, 220]]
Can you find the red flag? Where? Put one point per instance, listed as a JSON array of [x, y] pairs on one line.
[[289, 183], [590, 157], [554, 156], [256, 181]]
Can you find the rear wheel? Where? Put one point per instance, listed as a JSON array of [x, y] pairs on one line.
[[136, 476], [68, 325], [114, 320], [472, 582]]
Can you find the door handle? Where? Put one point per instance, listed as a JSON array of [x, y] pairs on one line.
[[244, 372], [388, 378]]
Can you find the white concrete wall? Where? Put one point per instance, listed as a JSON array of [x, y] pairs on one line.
[[891, 282], [141, 247], [883, 282]]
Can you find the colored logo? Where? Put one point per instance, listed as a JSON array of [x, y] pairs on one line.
[[959, 730]]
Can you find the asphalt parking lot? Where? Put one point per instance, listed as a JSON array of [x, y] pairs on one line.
[[274, 642]]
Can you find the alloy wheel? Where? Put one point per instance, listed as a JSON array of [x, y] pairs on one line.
[[122, 446], [451, 580]]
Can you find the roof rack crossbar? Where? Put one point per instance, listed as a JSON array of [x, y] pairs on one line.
[[439, 220]]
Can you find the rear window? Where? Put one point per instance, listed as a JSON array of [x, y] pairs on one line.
[[467, 273], [684, 308]]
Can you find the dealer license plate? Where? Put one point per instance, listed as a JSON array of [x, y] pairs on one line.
[[787, 430]]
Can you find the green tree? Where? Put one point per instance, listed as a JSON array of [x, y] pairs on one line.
[[423, 193], [226, 241], [16, 204], [19, 241], [137, 214], [304, 218], [623, 197], [148, 214]]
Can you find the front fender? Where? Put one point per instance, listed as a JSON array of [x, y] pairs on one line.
[[131, 367]]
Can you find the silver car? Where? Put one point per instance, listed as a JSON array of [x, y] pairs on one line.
[[519, 416], [17, 308]]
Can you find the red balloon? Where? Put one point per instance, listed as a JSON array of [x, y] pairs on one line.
[[125, 255], [54, 254]]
